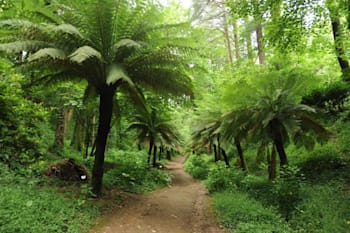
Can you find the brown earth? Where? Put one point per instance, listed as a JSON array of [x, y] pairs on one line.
[[182, 208]]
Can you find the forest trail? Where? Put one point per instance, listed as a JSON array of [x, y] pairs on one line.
[[182, 208]]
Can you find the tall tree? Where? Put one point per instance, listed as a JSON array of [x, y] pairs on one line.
[[109, 44]]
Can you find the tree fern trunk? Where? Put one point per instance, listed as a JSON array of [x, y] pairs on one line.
[[155, 156], [215, 153], [242, 162], [271, 160], [105, 116], [227, 162], [168, 155], [150, 151], [277, 140]]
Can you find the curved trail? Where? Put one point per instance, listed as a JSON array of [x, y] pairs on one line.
[[182, 208]]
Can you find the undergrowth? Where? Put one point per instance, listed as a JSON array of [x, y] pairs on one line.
[[27, 206]]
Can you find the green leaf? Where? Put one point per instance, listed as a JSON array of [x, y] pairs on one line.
[[47, 53], [117, 73], [85, 53]]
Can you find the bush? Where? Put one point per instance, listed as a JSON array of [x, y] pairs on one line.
[[19, 118], [197, 167], [28, 208], [237, 211], [325, 163], [324, 208], [286, 190], [132, 174], [221, 178]]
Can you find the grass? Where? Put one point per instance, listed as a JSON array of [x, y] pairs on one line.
[[132, 174], [28, 206], [312, 196]]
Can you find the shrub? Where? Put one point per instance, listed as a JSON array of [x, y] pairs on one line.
[[237, 211], [324, 208], [19, 118], [197, 167], [132, 174], [221, 178], [286, 190], [28, 208], [325, 163]]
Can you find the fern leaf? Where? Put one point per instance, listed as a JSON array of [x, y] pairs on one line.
[[85, 53], [52, 53]]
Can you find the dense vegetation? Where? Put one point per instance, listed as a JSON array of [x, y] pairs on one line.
[[256, 93]]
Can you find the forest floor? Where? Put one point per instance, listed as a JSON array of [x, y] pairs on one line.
[[184, 207]]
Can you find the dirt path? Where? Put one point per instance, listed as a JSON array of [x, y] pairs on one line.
[[182, 208]]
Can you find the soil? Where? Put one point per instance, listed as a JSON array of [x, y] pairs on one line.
[[184, 207]]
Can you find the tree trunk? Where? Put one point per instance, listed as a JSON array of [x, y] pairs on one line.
[[60, 128], [277, 140], [260, 42], [339, 45], [168, 155], [242, 162], [249, 41], [105, 116], [215, 153], [160, 153], [227, 39], [271, 160], [154, 156], [150, 151], [236, 40], [218, 148], [227, 162]]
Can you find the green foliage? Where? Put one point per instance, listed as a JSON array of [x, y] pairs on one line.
[[286, 190], [132, 174], [29, 208], [343, 134], [324, 208], [221, 178], [330, 98], [240, 213], [325, 163], [19, 122], [197, 167]]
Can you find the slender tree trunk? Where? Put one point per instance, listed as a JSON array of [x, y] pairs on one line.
[[260, 153], [277, 140], [168, 155], [154, 156], [227, 162], [60, 128], [215, 153], [242, 162], [236, 40], [260, 42], [227, 39], [150, 151], [339, 45], [105, 116], [271, 160], [139, 146], [248, 39], [160, 153], [218, 148]]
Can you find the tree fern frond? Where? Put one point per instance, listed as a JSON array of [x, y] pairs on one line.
[[19, 46], [45, 53], [85, 53], [117, 73]]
